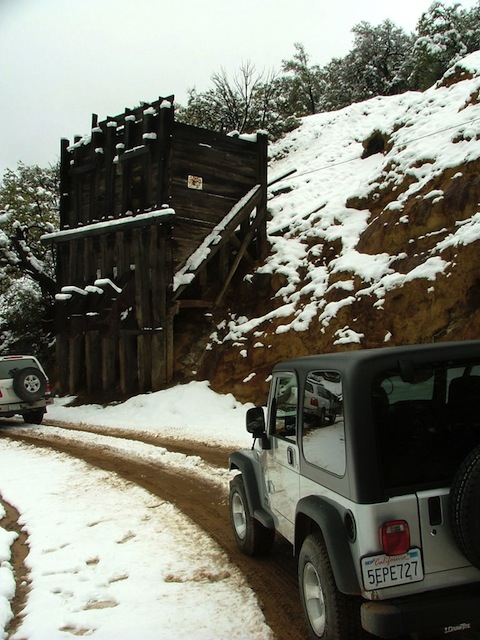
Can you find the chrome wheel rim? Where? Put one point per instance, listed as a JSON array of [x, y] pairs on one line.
[[32, 384], [314, 599], [239, 516]]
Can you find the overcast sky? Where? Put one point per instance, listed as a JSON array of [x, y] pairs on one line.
[[62, 60]]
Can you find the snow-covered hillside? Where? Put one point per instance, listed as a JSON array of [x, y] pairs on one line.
[[373, 236]]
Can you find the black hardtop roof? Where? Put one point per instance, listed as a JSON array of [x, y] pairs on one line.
[[420, 353]]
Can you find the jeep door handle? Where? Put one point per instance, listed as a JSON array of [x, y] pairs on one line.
[[290, 456]]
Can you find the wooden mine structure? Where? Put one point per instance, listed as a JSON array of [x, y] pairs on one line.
[[155, 218]]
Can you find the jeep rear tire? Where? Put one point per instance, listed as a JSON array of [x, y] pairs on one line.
[[29, 384], [251, 536], [330, 615], [465, 507]]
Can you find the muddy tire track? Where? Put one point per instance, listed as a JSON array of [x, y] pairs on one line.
[[272, 578]]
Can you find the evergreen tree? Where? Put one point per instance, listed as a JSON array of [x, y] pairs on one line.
[[379, 60], [377, 64], [339, 88], [302, 83], [445, 34], [29, 201]]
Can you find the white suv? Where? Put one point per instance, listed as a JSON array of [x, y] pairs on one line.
[[24, 388], [382, 505]]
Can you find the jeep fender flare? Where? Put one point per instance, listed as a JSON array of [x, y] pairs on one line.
[[244, 462], [327, 518]]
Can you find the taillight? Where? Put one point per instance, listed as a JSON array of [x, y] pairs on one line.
[[314, 402], [395, 537], [48, 389]]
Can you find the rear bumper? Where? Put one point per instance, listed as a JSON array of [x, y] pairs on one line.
[[8, 410], [437, 613]]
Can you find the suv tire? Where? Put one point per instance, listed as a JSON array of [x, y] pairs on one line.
[[465, 507], [29, 384], [251, 536], [34, 417], [330, 615]]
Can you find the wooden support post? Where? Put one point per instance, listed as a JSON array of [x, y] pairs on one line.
[[143, 306], [65, 203], [62, 356], [93, 361], [126, 174], [144, 362], [169, 339], [164, 133], [157, 252], [262, 165], [75, 378], [127, 352], [109, 372], [243, 248]]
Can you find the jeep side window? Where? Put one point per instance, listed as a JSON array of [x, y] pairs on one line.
[[283, 419], [323, 433]]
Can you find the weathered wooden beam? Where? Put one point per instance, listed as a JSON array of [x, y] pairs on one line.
[[221, 234], [241, 252], [144, 362], [65, 200], [146, 331], [110, 168], [93, 361], [127, 363], [112, 226], [62, 359], [194, 304], [262, 164], [109, 376], [75, 362], [131, 154]]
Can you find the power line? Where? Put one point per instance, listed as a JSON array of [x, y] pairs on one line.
[[337, 164]]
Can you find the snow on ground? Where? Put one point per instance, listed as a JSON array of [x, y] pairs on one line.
[[107, 559], [191, 411]]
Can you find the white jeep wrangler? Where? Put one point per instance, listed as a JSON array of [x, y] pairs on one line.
[[24, 388], [381, 502]]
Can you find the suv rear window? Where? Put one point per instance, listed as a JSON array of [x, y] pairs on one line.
[[8, 366], [427, 420]]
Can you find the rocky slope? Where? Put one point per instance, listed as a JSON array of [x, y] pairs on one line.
[[374, 237]]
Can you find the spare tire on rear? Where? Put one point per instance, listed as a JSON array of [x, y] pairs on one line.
[[29, 384], [465, 507]]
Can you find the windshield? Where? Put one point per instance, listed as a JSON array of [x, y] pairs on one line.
[[427, 419]]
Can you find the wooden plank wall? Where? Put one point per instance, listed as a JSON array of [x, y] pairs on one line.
[[226, 167], [105, 341], [134, 163], [122, 167]]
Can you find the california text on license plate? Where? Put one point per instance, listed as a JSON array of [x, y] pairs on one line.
[[382, 571]]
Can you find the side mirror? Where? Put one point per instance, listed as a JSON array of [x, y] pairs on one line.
[[256, 425], [256, 422]]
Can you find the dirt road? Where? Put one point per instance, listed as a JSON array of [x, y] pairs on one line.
[[273, 578]]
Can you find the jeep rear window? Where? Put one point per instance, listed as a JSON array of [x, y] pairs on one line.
[[427, 420], [7, 367]]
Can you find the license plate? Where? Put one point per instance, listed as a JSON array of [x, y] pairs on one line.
[[382, 571]]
